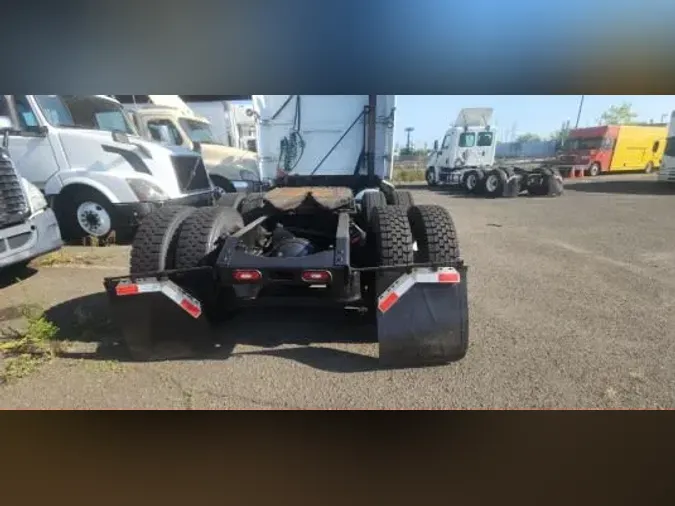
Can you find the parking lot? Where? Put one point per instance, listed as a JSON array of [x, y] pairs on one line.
[[571, 305]]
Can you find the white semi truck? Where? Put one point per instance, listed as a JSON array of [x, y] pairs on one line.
[[97, 174], [28, 228], [170, 121], [469, 143], [330, 232]]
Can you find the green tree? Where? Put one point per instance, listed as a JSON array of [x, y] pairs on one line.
[[528, 138], [618, 115]]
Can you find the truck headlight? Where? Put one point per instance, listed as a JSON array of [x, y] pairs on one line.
[[36, 200], [146, 191]]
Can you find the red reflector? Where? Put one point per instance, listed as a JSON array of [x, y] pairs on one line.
[[126, 290], [449, 277], [247, 276], [316, 276], [191, 308], [389, 301]]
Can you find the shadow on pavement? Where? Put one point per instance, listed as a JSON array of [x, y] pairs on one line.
[[627, 187], [88, 320], [15, 274]]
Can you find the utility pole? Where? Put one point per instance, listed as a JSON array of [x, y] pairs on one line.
[[581, 107], [408, 144]]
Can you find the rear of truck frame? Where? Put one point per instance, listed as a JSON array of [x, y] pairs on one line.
[[510, 182], [308, 241]]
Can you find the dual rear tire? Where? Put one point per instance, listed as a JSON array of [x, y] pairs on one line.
[[181, 237]]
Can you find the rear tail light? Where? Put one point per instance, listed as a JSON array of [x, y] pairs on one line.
[[316, 276], [126, 289], [247, 276]]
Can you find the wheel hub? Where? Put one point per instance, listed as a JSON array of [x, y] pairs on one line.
[[491, 183], [94, 219], [471, 182]]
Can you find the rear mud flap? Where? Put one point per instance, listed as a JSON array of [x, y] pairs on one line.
[[555, 185], [158, 319], [511, 187], [422, 322]]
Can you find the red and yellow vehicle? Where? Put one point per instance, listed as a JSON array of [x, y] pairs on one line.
[[613, 148]]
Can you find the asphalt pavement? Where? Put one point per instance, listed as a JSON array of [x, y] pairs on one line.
[[571, 306]]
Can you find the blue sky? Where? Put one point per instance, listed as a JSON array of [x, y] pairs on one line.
[[430, 115]]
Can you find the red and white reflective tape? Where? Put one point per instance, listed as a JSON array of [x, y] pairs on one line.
[[422, 275], [189, 304]]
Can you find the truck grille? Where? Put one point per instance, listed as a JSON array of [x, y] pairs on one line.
[[13, 204], [191, 173]]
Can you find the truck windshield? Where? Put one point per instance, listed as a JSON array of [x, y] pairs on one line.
[[485, 139], [467, 140], [583, 144], [81, 111], [198, 131]]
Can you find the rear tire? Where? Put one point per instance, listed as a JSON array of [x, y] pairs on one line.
[[401, 198], [393, 239], [369, 202], [198, 238], [154, 246], [434, 232]]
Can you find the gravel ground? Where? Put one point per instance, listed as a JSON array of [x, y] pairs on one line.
[[570, 303]]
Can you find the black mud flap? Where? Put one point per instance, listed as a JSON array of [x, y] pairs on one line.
[[156, 315], [511, 187], [422, 323], [555, 184]]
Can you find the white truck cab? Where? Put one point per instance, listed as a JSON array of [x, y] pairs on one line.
[[322, 135], [98, 175], [170, 121], [667, 169], [469, 143], [28, 228]]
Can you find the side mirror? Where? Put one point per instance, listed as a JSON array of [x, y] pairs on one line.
[[197, 146], [6, 124], [436, 145]]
